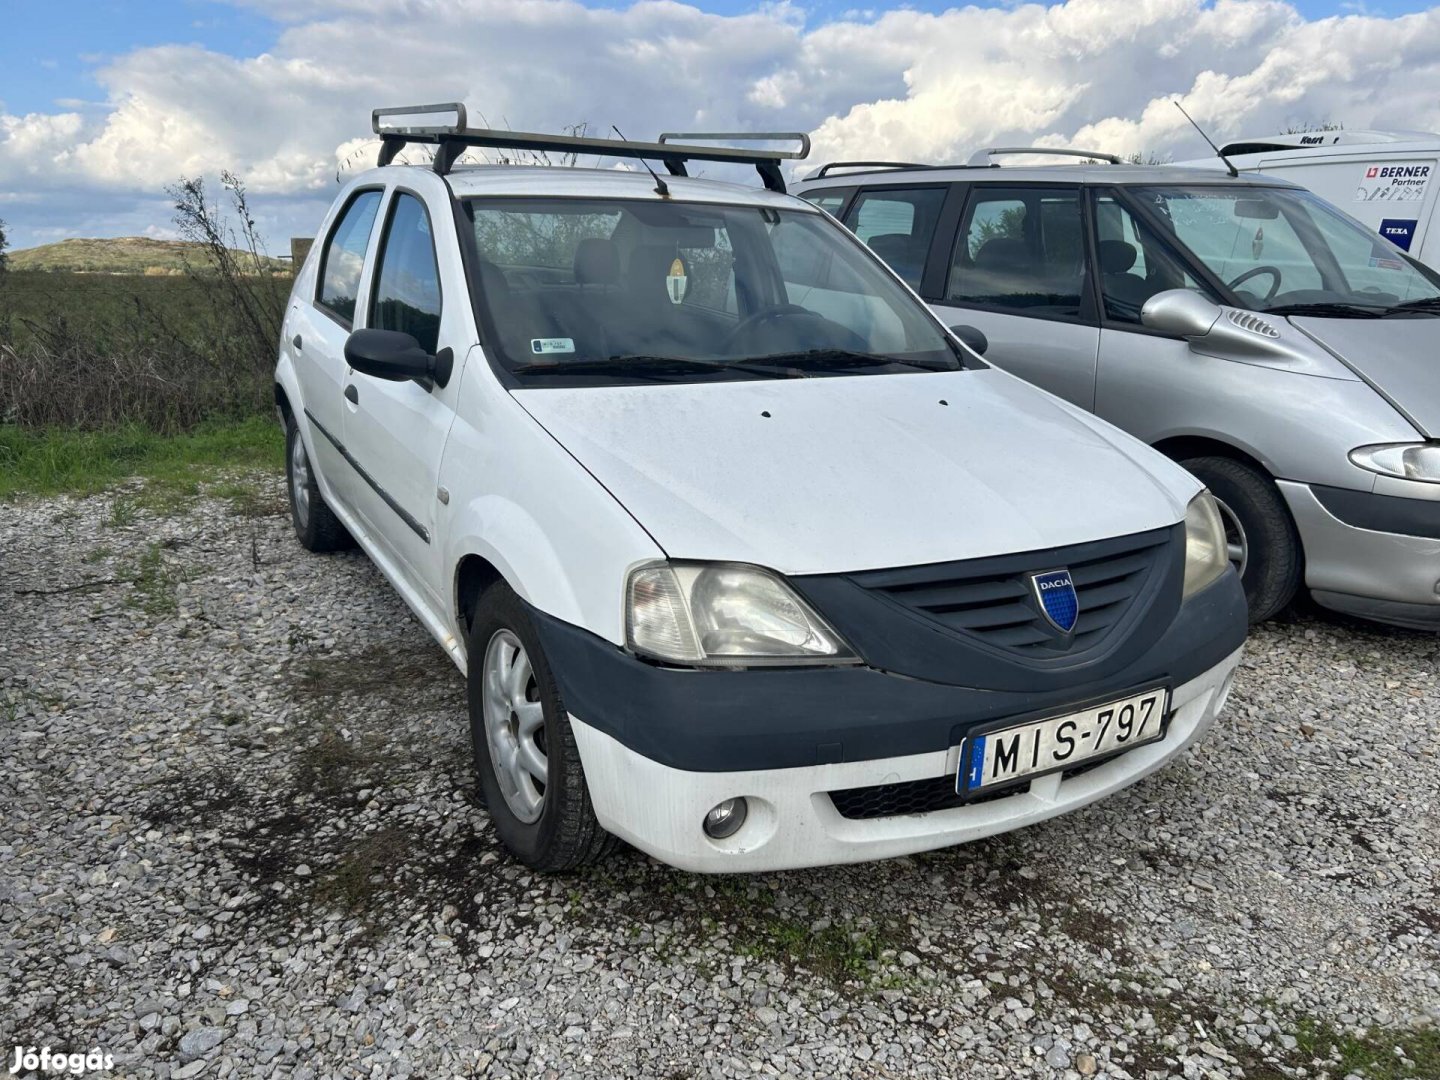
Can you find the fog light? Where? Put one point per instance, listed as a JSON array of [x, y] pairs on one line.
[[725, 818]]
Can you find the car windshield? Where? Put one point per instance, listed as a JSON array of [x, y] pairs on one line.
[[1287, 251], [673, 291]]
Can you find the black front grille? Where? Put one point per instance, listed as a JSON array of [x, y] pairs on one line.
[[992, 599], [909, 797]]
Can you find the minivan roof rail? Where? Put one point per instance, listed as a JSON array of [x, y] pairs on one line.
[[982, 157], [452, 140], [826, 169]]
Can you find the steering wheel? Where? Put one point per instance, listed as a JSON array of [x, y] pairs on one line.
[[1273, 271], [839, 335]]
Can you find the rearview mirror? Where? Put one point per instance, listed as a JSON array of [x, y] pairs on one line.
[[1179, 312], [973, 337], [1256, 209], [396, 356]]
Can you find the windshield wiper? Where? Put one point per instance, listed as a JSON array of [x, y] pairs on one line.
[[656, 368], [1328, 309], [1426, 305], [820, 359]]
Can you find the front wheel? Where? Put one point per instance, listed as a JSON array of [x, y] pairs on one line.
[[1263, 543], [526, 761]]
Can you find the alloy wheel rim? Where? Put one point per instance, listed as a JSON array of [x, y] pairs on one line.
[[1237, 545], [300, 480], [515, 726]]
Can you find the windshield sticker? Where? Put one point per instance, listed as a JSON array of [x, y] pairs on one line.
[[542, 345], [1403, 182], [1387, 264], [675, 281], [1398, 231]]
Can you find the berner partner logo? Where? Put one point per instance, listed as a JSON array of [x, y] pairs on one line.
[[42, 1059]]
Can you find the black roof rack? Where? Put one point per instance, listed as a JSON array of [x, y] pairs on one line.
[[824, 170], [452, 140]]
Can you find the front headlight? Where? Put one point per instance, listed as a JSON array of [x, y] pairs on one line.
[[723, 615], [1408, 461], [1206, 555]]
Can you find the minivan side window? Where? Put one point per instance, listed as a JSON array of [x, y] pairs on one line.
[[1021, 249], [898, 224], [344, 257], [1135, 263], [406, 296]]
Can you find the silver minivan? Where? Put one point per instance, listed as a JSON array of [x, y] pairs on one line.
[[1283, 353]]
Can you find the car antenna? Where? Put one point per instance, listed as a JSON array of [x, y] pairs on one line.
[[660, 188], [1228, 164]]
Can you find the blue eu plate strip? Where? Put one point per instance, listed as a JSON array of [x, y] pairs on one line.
[[971, 775]]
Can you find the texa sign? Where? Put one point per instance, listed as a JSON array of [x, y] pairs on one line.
[[1399, 232]]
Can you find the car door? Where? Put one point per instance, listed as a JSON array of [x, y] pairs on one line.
[[319, 325], [1018, 271], [395, 431], [1150, 384]]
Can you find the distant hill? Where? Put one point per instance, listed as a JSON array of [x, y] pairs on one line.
[[124, 255]]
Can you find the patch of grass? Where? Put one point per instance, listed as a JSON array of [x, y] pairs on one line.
[[100, 554], [838, 953], [1373, 1055], [154, 583], [377, 669], [364, 876], [56, 461]]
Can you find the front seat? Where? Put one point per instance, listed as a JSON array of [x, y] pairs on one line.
[[1125, 293]]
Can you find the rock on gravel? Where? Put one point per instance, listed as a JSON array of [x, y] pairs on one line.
[[240, 839]]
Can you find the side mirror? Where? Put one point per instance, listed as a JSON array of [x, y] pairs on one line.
[[973, 337], [396, 356], [1180, 312]]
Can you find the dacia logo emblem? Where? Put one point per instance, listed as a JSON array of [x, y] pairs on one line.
[[1056, 593]]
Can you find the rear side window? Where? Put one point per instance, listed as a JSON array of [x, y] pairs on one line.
[[1021, 248], [898, 224], [407, 284], [344, 256], [830, 199]]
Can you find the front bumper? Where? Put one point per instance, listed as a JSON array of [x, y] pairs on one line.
[[1356, 565], [794, 823]]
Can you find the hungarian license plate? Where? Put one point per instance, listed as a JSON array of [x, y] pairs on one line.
[[1002, 757]]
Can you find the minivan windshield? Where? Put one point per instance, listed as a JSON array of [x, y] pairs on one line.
[[1289, 252], [675, 291]]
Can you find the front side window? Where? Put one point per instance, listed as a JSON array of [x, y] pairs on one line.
[[830, 199], [406, 296], [1288, 251], [898, 225], [1021, 249], [1135, 262], [344, 256], [639, 289]]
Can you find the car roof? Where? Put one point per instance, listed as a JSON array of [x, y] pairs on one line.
[[562, 181], [1124, 175]]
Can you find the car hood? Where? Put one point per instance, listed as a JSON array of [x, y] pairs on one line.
[[1398, 357], [837, 474]]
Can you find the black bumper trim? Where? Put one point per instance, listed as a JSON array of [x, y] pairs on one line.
[[1394, 612], [769, 718], [1381, 513]]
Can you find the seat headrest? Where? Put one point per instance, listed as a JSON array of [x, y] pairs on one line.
[[891, 245], [1002, 253], [597, 261], [493, 281], [1116, 256]]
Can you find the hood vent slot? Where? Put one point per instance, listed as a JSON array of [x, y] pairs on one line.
[[1248, 320]]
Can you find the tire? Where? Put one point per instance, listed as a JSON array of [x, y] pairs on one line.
[[561, 833], [1250, 502], [316, 526]]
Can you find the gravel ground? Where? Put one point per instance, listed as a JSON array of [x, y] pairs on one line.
[[240, 840]]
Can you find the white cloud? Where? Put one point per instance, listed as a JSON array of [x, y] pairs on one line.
[[906, 84]]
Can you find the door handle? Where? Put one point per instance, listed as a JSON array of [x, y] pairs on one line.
[[352, 395], [297, 342]]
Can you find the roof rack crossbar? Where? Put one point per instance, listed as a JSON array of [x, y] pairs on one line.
[[825, 169], [982, 157], [452, 140]]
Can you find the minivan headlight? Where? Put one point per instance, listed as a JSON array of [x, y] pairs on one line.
[[1408, 461], [724, 615], [1206, 554]]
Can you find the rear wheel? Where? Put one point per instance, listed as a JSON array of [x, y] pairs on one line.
[[526, 762], [1263, 544], [316, 526]]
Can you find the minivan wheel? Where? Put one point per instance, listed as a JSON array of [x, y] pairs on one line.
[[316, 526], [1264, 546], [526, 762]]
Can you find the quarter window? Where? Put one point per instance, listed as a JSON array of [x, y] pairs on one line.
[[898, 224], [407, 285], [1021, 248], [344, 256]]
